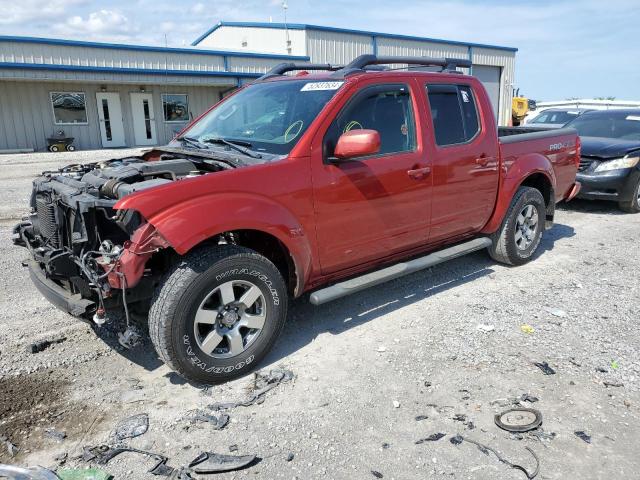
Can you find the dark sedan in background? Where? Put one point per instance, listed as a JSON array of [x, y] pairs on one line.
[[556, 117], [610, 160]]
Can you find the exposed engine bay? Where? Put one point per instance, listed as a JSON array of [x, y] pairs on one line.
[[83, 245]]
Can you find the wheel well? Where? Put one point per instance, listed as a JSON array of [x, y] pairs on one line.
[[541, 182], [270, 247]]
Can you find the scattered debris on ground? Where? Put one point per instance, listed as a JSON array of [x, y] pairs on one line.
[[209, 462], [525, 397], [546, 369], [130, 427], [216, 422], [102, 454], [130, 338], [612, 384], [377, 474], [11, 447], [461, 417], [528, 329], [83, 474], [42, 345], [556, 312], [519, 419], [55, 434], [263, 383], [31, 473], [458, 439], [431, 438], [583, 436], [486, 328], [419, 418]]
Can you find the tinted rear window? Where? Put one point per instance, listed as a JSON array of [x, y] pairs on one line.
[[454, 113]]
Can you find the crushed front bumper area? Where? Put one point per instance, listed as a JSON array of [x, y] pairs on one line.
[[65, 300], [618, 185]]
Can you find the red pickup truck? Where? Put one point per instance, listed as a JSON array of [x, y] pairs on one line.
[[328, 182]]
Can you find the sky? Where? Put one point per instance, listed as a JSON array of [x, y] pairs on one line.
[[567, 48]]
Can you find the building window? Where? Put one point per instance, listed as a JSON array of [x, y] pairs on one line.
[[69, 108], [175, 107]]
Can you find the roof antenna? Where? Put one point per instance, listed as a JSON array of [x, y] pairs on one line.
[[286, 28]]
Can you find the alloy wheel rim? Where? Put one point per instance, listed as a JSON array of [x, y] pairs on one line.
[[526, 227], [230, 319]]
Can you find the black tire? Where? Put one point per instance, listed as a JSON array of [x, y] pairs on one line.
[[504, 248], [188, 286], [633, 205]]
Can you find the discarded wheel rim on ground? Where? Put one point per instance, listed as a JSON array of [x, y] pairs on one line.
[[519, 419]]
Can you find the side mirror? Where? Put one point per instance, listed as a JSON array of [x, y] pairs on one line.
[[357, 143]]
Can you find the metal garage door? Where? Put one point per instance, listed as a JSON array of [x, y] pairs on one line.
[[490, 77]]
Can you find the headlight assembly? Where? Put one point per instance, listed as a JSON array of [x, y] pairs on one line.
[[625, 162]]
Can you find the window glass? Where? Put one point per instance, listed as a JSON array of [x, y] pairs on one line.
[[386, 109], [268, 116], [175, 107], [69, 107], [471, 125], [447, 116], [454, 114]]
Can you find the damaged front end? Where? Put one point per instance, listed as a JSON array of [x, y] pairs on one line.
[[88, 258]]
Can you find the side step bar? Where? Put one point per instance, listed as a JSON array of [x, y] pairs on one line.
[[367, 280]]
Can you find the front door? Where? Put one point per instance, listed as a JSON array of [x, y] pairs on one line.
[[110, 119], [374, 206], [144, 122]]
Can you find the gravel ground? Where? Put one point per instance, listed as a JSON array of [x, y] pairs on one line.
[[365, 367]]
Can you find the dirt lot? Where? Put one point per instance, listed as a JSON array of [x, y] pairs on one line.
[[365, 367]]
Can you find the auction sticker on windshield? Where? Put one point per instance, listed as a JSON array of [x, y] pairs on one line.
[[315, 86]]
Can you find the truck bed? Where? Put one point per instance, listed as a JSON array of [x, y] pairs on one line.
[[519, 134], [558, 146]]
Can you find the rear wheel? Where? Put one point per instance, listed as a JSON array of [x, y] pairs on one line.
[[633, 205], [519, 236], [218, 313]]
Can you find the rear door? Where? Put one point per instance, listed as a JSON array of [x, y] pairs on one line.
[[465, 160], [371, 207]]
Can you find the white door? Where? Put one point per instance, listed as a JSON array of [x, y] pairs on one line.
[[110, 116], [490, 77], [144, 122]]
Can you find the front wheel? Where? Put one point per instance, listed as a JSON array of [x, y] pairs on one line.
[[218, 313], [633, 205], [519, 236]]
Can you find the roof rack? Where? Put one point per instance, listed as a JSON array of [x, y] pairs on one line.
[[365, 62], [285, 67], [368, 63]]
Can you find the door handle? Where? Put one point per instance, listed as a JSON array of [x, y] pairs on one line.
[[483, 160], [419, 173]]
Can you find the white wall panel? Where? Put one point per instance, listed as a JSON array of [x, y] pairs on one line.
[[264, 40], [336, 47]]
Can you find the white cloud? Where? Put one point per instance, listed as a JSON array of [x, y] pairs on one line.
[[103, 21], [100, 25], [20, 12], [198, 8]]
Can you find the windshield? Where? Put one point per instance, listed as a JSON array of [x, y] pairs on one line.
[[623, 126], [555, 117], [266, 117]]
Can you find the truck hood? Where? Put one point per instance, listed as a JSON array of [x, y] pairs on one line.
[[607, 148]]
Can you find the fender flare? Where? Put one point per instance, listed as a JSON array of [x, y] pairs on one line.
[[188, 223], [515, 171]]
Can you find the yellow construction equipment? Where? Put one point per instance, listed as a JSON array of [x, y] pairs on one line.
[[519, 108]]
